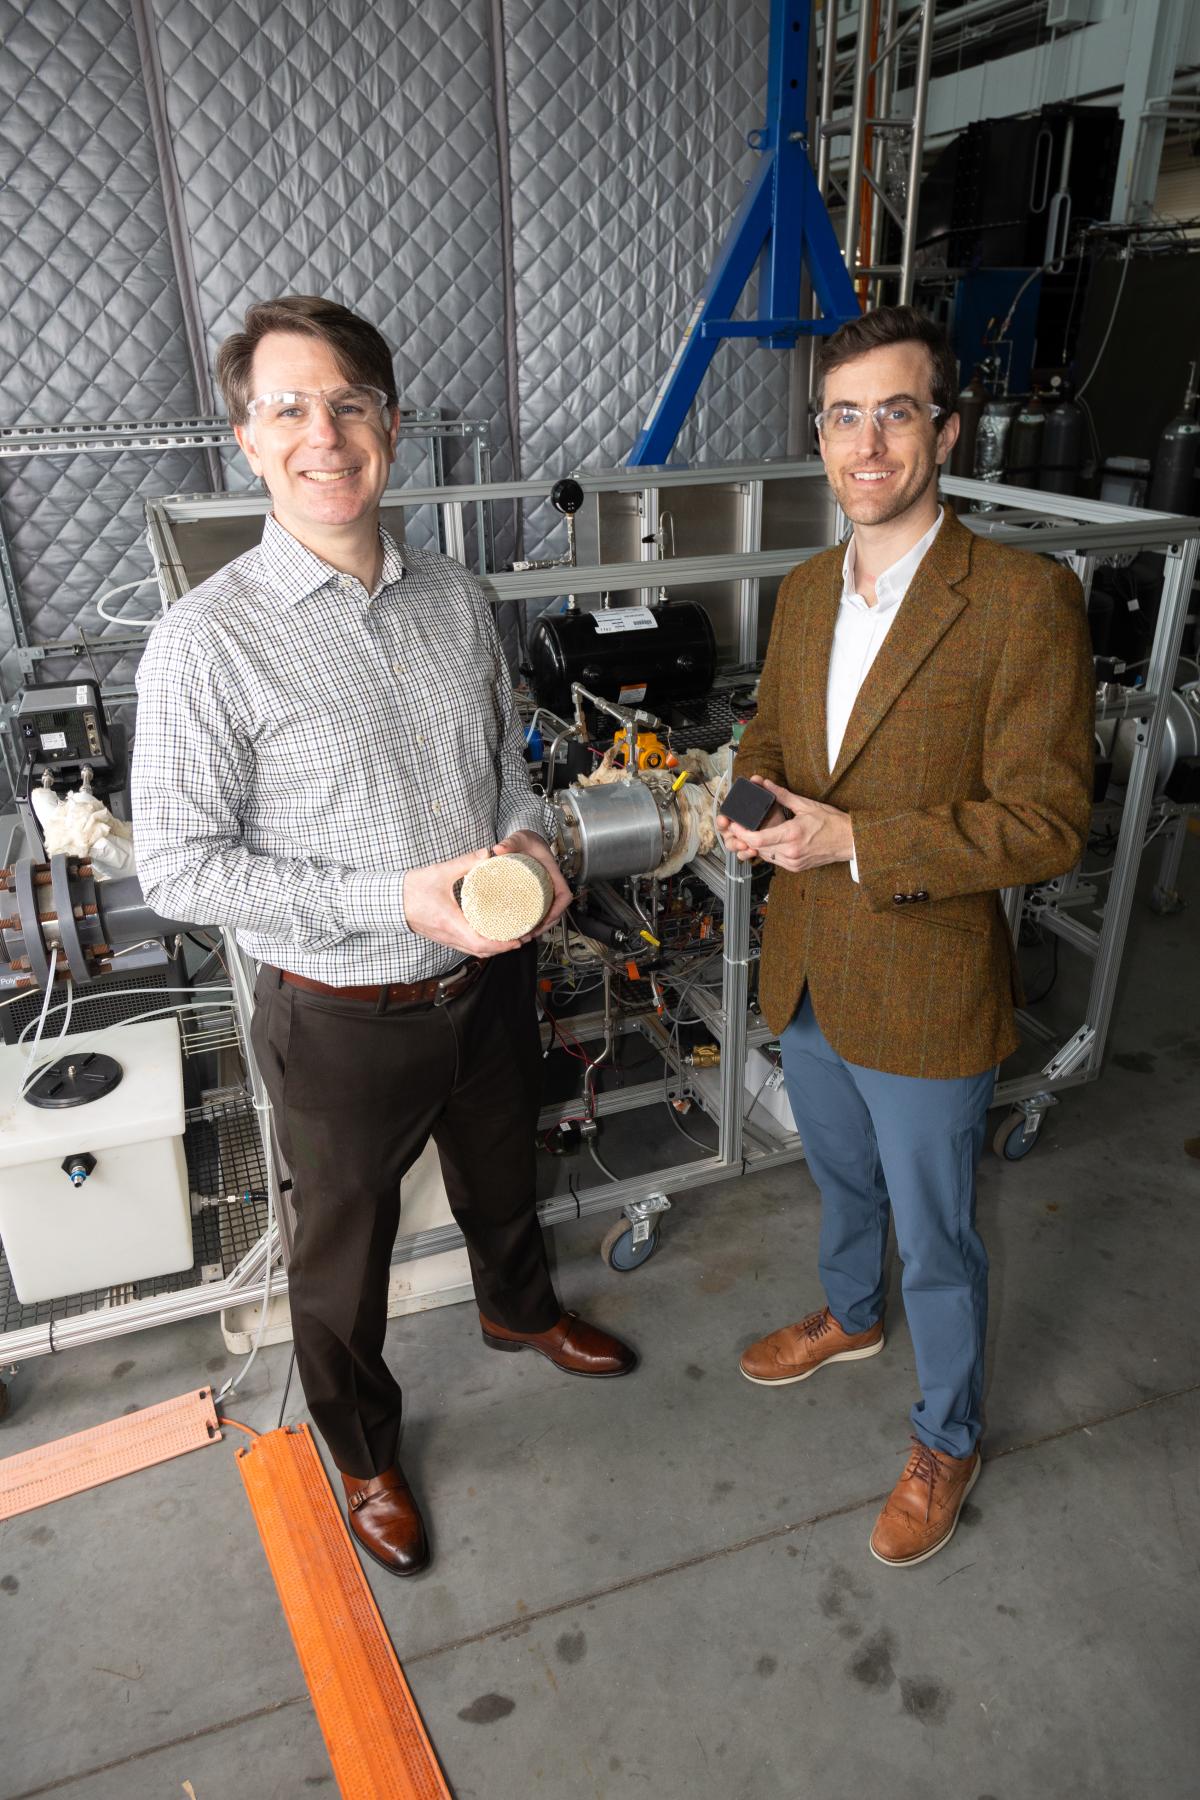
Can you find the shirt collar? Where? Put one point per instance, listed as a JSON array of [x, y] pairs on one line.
[[894, 583], [293, 572]]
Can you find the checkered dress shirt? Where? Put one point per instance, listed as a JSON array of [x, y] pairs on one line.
[[300, 744]]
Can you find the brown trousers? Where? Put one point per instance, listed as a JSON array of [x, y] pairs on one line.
[[357, 1093]]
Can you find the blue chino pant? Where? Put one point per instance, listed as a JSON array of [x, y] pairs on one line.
[[900, 1145]]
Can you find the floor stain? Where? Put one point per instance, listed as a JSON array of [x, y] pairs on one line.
[[838, 1587], [487, 1709], [872, 1663], [721, 1488], [969, 1513], [9, 1584], [41, 1534], [927, 1701], [571, 1647], [694, 1372], [123, 1368], [1138, 1062], [766, 1665]]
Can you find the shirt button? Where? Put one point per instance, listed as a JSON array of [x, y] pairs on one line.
[[421, 744], [436, 807], [398, 669]]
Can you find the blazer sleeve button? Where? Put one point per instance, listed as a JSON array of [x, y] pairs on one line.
[[899, 899], [922, 895]]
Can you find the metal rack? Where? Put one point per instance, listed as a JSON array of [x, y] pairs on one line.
[[231, 1269], [422, 426]]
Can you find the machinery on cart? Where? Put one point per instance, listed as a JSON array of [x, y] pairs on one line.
[[635, 685]]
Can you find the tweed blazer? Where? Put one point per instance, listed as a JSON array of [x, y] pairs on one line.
[[966, 767]]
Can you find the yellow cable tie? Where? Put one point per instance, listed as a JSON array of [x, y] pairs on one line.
[[679, 781], [651, 939]]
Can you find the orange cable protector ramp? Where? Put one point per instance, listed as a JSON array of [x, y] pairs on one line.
[[154, 1434], [376, 1741]]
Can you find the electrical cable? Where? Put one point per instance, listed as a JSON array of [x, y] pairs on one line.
[[1091, 874], [1084, 385], [600, 1162], [1036, 999], [224, 1419], [127, 587], [40, 1022], [286, 1387]]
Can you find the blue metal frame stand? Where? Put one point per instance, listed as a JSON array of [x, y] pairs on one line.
[[781, 219]]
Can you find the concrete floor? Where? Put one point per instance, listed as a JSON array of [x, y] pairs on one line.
[[662, 1585]]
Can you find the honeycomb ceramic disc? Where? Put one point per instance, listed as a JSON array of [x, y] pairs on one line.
[[506, 896]]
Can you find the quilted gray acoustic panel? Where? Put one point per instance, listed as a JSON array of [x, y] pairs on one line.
[[628, 122], [347, 150], [90, 322]]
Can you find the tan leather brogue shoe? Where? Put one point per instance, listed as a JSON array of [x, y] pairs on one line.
[[386, 1522], [571, 1345], [795, 1352], [922, 1509]]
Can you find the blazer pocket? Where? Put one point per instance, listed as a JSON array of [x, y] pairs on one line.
[[938, 696], [944, 915]]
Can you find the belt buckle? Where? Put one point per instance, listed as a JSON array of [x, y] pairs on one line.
[[451, 983]]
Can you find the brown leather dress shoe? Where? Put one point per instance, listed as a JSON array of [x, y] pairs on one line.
[[571, 1345], [795, 1352], [384, 1518], [922, 1509]]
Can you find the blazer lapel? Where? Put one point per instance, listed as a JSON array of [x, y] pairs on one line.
[[820, 619], [928, 610]]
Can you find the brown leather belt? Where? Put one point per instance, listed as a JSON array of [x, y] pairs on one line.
[[433, 992]]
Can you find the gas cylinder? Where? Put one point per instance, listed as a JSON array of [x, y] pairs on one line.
[[1173, 483], [1062, 448], [1025, 445], [969, 406], [991, 441]]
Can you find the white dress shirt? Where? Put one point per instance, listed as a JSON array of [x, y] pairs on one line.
[[859, 633]]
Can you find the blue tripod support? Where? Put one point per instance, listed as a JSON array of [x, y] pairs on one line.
[[782, 220]]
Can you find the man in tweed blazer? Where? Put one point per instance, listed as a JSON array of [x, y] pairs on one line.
[[925, 725]]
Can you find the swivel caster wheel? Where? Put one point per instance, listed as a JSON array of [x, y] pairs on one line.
[[1012, 1142], [621, 1253]]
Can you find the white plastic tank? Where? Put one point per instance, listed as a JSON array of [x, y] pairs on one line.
[[129, 1218]]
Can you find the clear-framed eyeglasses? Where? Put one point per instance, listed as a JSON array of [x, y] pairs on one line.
[[895, 418], [293, 410]]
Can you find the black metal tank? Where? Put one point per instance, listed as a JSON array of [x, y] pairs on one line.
[[1173, 484], [1062, 448], [1025, 445], [970, 405], [650, 666]]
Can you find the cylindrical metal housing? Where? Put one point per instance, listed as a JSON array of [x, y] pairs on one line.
[[675, 658], [1181, 737], [613, 830]]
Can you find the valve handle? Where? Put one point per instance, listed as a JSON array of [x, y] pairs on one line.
[[566, 496]]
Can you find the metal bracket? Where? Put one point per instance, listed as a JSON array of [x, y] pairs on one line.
[[1076, 1050], [643, 1213]]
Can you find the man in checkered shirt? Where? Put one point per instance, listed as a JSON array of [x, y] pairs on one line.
[[326, 743]]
